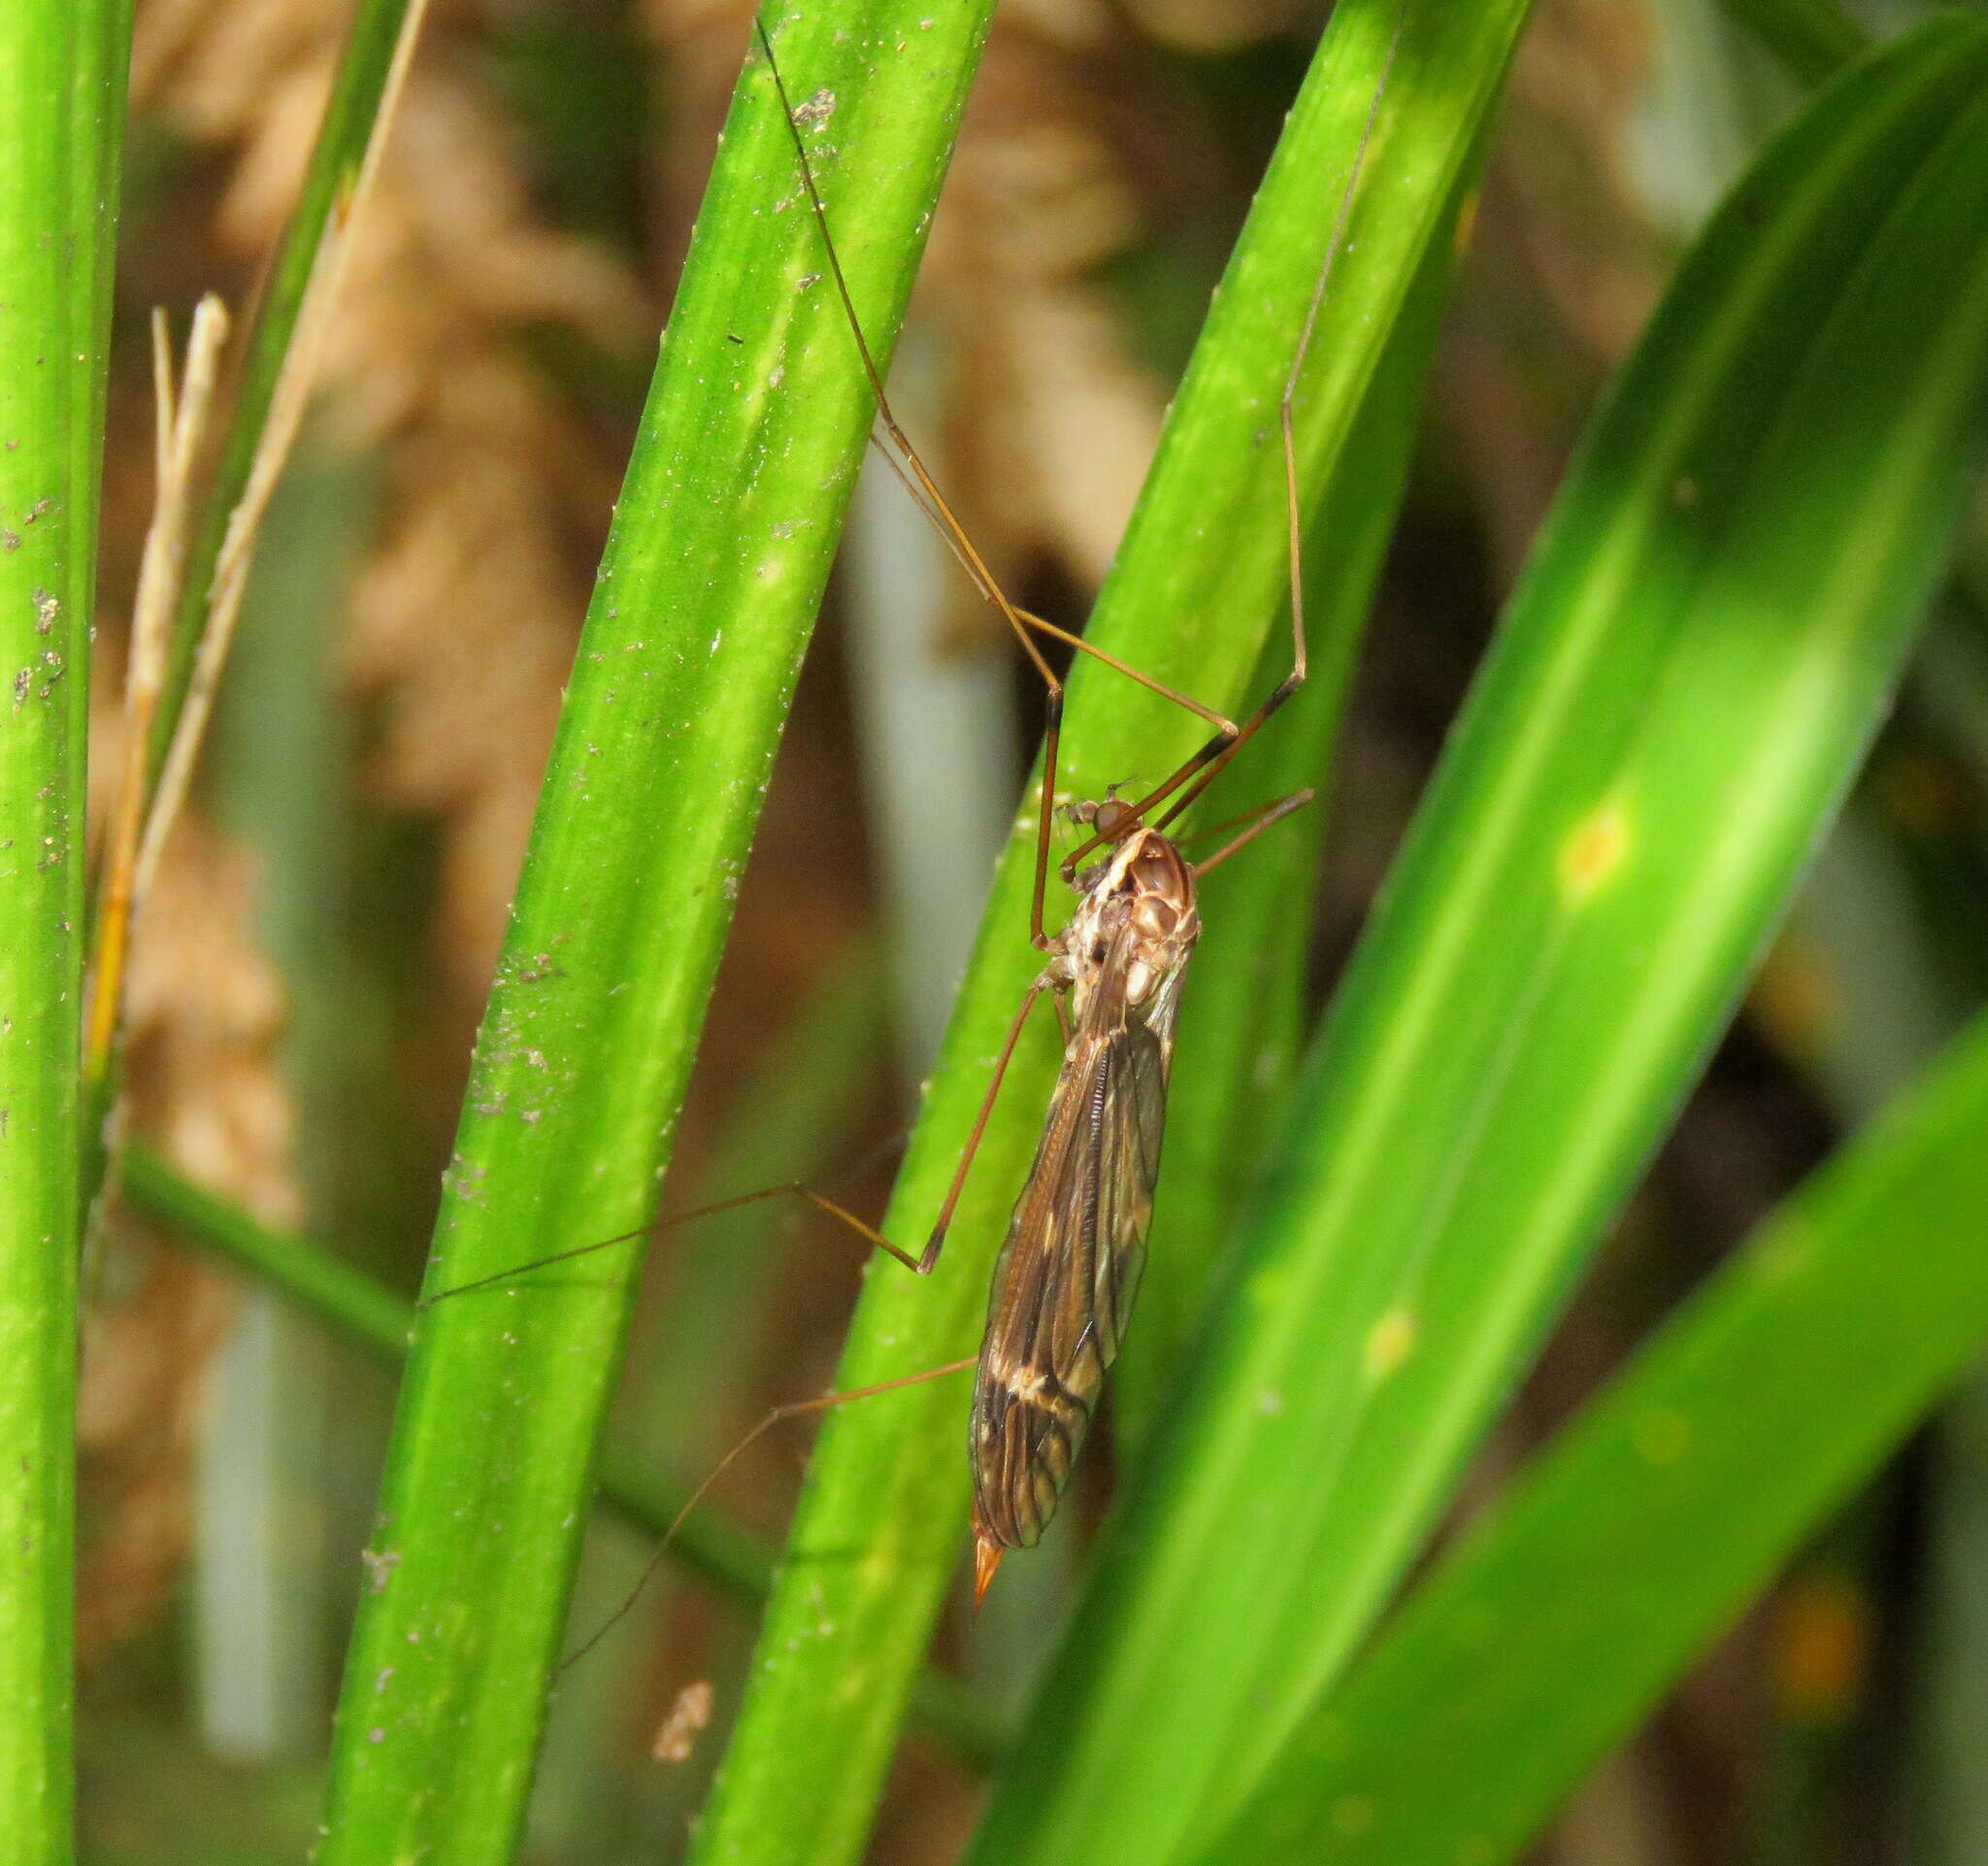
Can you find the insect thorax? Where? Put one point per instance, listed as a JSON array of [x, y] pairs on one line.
[[1139, 905]]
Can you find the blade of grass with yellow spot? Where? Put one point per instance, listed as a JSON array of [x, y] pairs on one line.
[[1636, 1535], [1705, 639]]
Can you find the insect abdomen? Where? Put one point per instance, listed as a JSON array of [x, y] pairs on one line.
[[1027, 1432]]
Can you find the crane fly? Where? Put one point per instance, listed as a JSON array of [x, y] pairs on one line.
[[1068, 1269]]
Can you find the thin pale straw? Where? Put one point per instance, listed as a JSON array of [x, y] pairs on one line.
[[287, 403]]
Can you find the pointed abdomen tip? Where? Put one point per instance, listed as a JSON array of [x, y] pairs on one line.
[[986, 1559]]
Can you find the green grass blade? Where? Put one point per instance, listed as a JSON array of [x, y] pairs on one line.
[[319, 1281], [689, 1388], [1685, 683], [1242, 1025], [1548, 1633], [1241, 1029], [721, 542], [350, 114], [62, 65], [1192, 599]]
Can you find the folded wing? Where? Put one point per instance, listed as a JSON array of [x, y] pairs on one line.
[[1068, 1276]]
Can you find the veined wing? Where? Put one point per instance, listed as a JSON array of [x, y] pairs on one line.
[[1068, 1274]]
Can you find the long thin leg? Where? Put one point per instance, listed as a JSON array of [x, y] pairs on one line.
[[793, 1189], [903, 460], [518, 1270], [925, 493], [1203, 833], [937, 1240], [794, 1408], [1206, 763], [1256, 823]]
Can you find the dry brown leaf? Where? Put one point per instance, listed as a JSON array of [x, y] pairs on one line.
[[494, 499]]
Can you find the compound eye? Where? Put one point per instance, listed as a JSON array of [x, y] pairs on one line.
[[1112, 816]]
